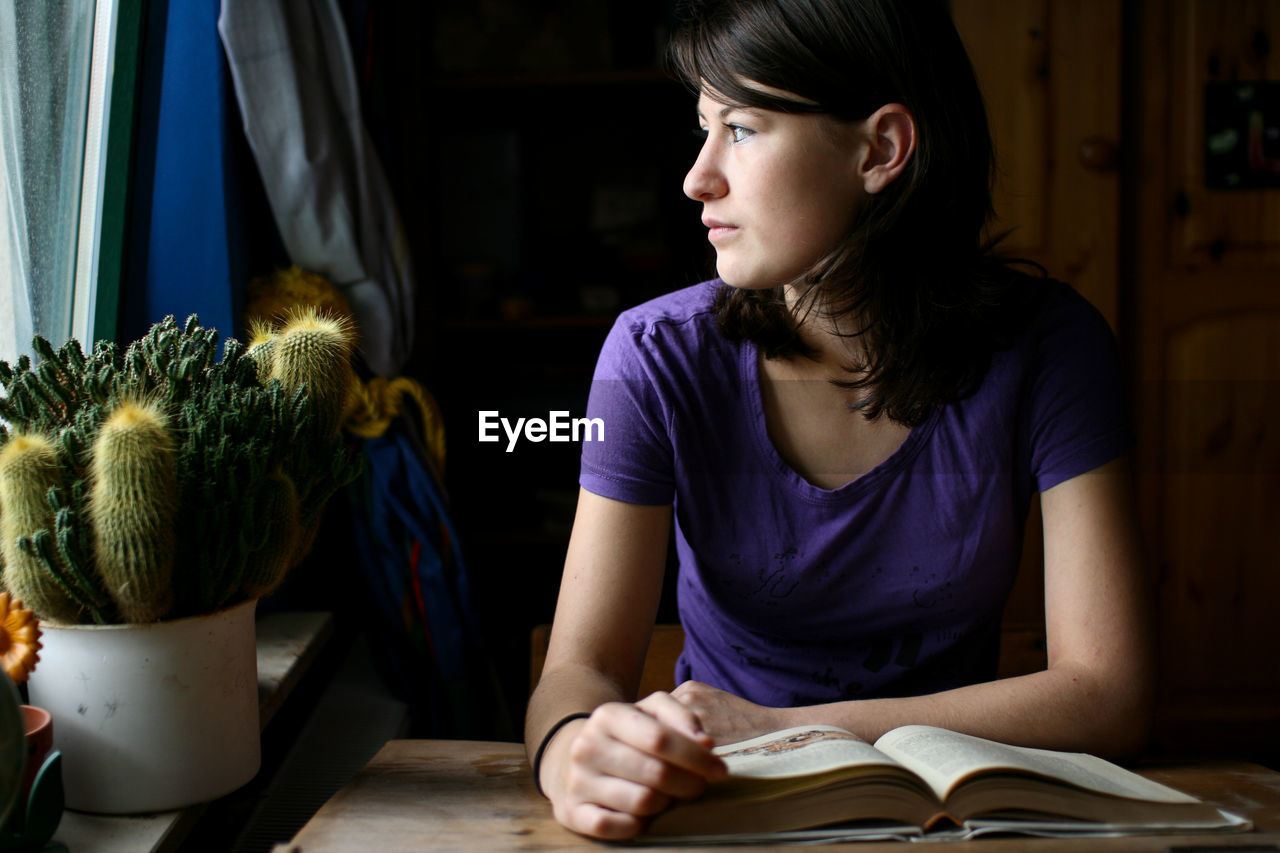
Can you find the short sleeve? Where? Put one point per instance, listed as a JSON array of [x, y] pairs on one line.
[[633, 461], [1077, 411]]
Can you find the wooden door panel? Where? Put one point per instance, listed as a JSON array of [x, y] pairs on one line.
[[1050, 74], [1207, 316], [1221, 505], [1008, 45]]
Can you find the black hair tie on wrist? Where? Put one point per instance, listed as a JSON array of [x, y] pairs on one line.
[[546, 739]]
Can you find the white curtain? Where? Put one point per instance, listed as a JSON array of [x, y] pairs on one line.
[[16, 321], [45, 52], [296, 85]]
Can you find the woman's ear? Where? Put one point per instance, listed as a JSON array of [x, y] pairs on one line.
[[889, 141]]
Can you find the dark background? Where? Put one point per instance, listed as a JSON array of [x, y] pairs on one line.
[[537, 152]]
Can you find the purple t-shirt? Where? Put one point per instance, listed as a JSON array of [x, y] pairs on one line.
[[891, 585]]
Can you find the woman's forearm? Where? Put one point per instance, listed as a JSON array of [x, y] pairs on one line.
[[562, 691], [1065, 707]]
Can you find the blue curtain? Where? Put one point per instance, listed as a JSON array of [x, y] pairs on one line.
[[187, 235]]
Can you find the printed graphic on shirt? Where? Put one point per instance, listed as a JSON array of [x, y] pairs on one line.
[[775, 581]]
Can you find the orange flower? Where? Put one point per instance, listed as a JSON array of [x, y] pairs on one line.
[[19, 639]]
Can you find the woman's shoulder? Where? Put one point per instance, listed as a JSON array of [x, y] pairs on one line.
[[1050, 330], [1064, 349], [681, 309], [1062, 302], [1065, 320], [669, 335], [1041, 309]]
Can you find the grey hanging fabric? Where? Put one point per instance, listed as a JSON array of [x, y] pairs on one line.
[[296, 84]]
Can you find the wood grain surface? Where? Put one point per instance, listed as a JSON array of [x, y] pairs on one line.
[[424, 795]]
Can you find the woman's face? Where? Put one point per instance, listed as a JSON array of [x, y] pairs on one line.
[[778, 190]]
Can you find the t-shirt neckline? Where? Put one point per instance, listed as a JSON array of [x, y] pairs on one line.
[[856, 488]]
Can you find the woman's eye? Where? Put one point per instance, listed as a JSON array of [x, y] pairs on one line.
[[701, 133], [739, 133]]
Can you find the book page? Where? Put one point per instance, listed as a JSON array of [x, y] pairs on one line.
[[825, 835], [944, 759], [1223, 822], [799, 751]]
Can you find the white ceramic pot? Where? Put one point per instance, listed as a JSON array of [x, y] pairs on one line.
[[152, 717]]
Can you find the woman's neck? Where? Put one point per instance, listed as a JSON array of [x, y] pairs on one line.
[[833, 345]]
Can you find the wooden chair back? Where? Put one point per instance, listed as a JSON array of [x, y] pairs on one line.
[[659, 664]]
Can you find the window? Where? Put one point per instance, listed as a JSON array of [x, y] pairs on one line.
[[56, 67]]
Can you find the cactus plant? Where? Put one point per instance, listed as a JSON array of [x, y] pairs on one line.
[[28, 470], [280, 533], [152, 483], [133, 491], [314, 352]]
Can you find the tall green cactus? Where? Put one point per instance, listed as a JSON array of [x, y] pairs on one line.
[[313, 352], [239, 440], [28, 471], [133, 497]]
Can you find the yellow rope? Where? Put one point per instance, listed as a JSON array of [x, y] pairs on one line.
[[381, 400]]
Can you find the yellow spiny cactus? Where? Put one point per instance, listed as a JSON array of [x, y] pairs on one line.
[[313, 351], [261, 344], [133, 497], [28, 470]]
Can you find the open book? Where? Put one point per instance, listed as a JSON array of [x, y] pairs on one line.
[[923, 781]]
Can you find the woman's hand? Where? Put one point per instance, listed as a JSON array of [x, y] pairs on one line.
[[625, 763], [728, 718]]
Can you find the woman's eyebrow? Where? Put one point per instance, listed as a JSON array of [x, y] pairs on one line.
[[724, 111]]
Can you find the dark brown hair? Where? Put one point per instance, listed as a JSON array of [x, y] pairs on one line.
[[931, 300]]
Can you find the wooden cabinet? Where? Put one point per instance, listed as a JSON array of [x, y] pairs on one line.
[[1206, 321], [1099, 115]]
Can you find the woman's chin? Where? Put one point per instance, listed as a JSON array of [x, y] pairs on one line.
[[741, 282]]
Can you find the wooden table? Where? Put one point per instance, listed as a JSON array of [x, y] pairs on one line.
[[425, 795]]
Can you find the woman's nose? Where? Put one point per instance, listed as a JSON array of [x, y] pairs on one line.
[[705, 180]]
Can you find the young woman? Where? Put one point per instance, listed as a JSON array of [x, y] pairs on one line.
[[847, 428]]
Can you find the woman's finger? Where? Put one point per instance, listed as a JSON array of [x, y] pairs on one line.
[[640, 727], [618, 794], [669, 710], [598, 822], [607, 757]]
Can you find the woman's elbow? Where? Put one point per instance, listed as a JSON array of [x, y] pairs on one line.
[[1124, 708]]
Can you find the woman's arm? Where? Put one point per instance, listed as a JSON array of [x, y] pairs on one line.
[[605, 774], [1096, 694]]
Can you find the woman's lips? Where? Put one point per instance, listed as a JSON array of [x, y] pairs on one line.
[[718, 230]]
